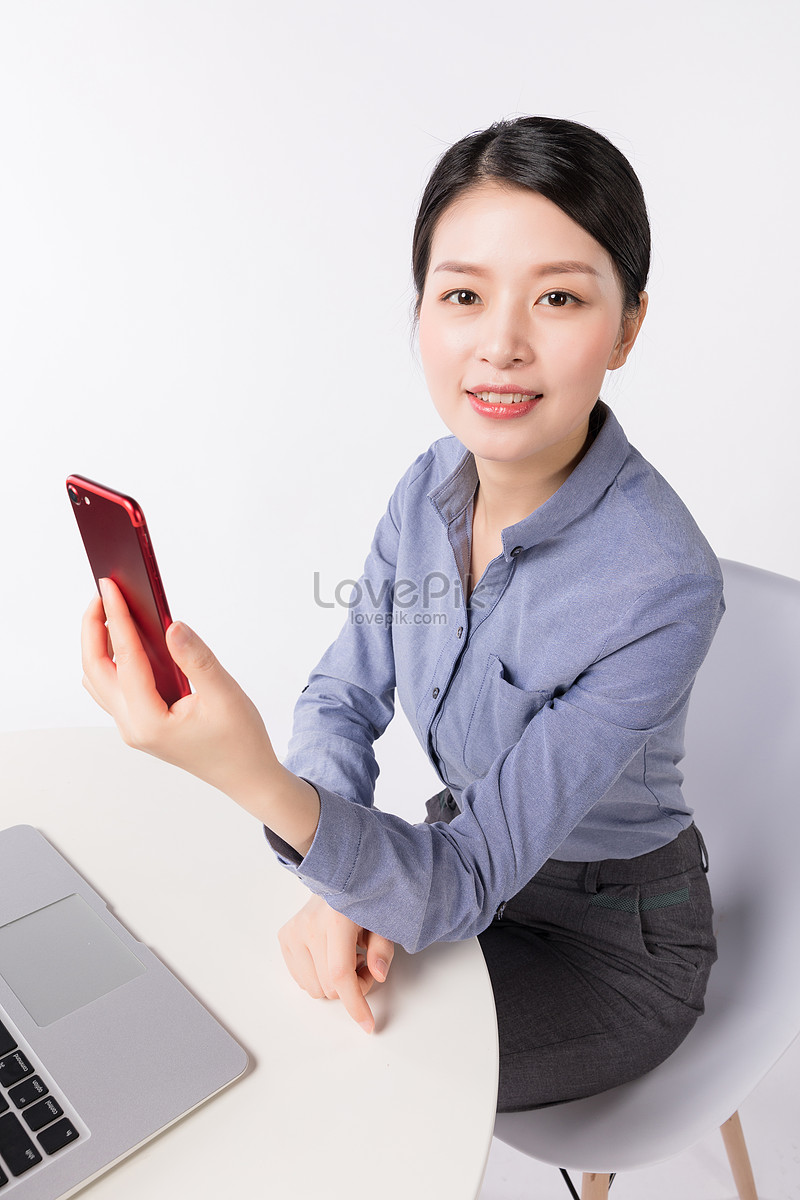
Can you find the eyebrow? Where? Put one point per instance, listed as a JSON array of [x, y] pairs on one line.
[[566, 267]]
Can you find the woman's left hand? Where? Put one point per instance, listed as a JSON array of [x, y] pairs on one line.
[[217, 733]]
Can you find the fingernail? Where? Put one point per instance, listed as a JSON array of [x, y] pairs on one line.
[[367, 1026], [382, 967]]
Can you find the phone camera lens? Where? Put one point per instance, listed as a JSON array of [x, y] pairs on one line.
[[74, 495]]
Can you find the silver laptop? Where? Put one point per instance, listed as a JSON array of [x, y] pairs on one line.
[[101, 1047]]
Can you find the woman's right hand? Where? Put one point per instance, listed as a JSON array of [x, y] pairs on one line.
[[321, 949]]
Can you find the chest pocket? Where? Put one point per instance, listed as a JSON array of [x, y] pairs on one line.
[[498, 720]]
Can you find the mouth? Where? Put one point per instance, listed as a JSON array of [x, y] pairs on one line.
[[493, 397], [503, 404]]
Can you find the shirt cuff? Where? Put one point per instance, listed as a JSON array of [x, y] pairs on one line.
[[331, 857]]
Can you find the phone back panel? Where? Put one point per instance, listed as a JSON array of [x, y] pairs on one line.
[[117, 543]]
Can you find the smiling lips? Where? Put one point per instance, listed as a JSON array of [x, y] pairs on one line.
[[502, 404]]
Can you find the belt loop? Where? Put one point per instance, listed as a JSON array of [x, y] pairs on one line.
[[703, 850], [590, 876]]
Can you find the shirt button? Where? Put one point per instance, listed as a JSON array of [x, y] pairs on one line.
[[459, 631], [435, 693], [517, 550]]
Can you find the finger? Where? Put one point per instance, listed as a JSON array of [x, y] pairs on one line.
[[133, 671], [94, 634], [99, 671], [195, 659], [380, 952], [342, 977], [98, 699], [304, 973], [299, 961]]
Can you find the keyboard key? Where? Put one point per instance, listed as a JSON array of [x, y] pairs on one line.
[[57, 1136], [41, 1114], [29, 1090], [7, 1040], [16, 1148], [3, 1177], [13, 1068], [3, 1103]]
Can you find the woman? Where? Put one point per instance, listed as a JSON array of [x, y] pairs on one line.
[[541, 601]]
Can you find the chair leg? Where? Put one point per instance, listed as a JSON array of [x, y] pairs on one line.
[[738, 1157], [595, 1187]]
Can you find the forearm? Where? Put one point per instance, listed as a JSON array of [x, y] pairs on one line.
[[285, 803], [216, 733]]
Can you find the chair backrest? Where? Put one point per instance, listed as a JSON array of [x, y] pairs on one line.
[[742, 778]]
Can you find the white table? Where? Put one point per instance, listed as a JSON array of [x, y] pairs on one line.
[[326, 1111]]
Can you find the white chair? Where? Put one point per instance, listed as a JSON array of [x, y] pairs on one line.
[[741, 779]]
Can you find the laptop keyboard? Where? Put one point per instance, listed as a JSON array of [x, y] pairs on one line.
[[33, 1124]]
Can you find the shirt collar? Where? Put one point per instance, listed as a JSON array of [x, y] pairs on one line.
[[592, 477]]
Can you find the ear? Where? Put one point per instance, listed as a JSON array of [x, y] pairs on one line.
[[628, 335]]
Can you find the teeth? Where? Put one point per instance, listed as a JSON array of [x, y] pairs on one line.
[[507, 398]]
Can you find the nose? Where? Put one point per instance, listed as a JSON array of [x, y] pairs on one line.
[[505, 335]]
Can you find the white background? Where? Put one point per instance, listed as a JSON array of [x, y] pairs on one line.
[[206, 211], [205, 221]]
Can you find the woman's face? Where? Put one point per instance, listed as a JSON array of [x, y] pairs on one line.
[[519, 301]]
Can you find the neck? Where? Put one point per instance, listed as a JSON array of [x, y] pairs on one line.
[[510, 491]]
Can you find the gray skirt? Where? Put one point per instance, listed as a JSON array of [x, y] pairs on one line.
[[598, 969]]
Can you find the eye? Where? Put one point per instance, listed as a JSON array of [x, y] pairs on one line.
[[558, 299], [462, 297]]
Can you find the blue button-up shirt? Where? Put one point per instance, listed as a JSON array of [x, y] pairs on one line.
[[552, 702]]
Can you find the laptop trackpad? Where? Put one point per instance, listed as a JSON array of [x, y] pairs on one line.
[[61, 957]]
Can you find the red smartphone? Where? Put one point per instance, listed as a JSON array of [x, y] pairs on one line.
[[115, 536]]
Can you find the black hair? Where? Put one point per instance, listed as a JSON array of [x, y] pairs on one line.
[[573, 166]]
